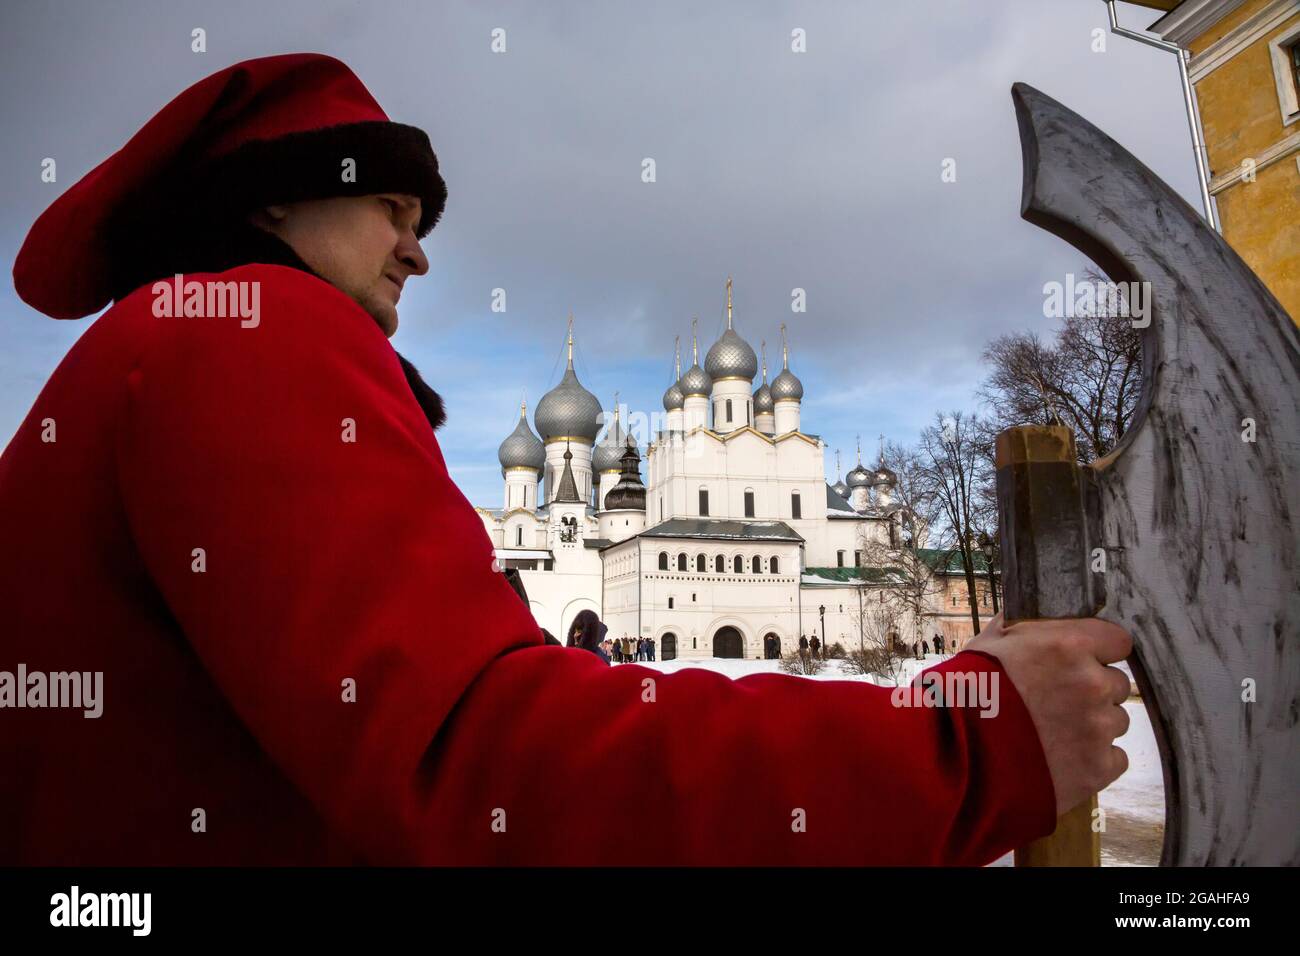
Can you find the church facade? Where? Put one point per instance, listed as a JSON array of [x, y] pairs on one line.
[[735, 536]]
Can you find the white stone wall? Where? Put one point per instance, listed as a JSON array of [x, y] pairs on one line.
[[736, 391], [695, 412], [787, 416], [621, 524], [605, 480], [703, 602]]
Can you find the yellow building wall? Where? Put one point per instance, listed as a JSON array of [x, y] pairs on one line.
[[1242, 118]]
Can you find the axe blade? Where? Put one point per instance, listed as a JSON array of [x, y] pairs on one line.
[[1198, 526]]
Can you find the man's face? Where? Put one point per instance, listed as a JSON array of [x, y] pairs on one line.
[[364, 246]]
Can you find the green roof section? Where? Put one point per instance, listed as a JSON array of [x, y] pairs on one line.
[[854, 575], [935, 558]]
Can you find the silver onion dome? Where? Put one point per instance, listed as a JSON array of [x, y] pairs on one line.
[[763, 400], [884, 475], [568, 411], [608, 455], [731, 357], [841, 489], [695, 381], [786, 386], [673, 398], [522, 449], [859, 477]]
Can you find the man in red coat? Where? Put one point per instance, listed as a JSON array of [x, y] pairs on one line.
[[227, 512]]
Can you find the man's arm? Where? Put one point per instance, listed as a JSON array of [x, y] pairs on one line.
[[329, 561]]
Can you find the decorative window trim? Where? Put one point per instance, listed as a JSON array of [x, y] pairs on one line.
[[1232, 43], [1284, 73]]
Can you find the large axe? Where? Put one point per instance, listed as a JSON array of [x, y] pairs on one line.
[[1186, 534]]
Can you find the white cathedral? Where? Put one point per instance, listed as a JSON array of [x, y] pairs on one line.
[[735, 535]]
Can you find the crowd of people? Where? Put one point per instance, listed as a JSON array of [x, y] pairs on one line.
[[588, 632], [922, 647]]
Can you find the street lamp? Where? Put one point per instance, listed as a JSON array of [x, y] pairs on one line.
[[822, 611], [989, 547]]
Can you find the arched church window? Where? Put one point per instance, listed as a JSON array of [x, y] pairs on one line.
[[757, 565], [681, 561], [519, 536], [774, 566], [720, 564], [728, 410], [663, 560], [701, 563], [738, 565], [796, 508]]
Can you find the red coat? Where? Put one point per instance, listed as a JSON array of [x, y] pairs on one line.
[[328, 560]]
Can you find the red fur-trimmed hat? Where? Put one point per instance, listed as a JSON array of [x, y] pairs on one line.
[[272, 130]]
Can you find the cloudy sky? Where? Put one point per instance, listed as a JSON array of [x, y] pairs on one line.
[[817, 170]]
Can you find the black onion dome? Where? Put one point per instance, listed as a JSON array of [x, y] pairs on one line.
[[629, 492]]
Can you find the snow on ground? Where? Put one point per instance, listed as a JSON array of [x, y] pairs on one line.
[[1134, 804], [734, 668]]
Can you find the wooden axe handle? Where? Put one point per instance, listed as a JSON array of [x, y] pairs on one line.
[[1046, 522]]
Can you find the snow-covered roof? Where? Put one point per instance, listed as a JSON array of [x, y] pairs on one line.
[[522, 554], [838, 506]]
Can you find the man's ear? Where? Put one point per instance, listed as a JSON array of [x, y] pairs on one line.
[[269, 217]]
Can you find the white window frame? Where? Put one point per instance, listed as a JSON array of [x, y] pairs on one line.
[[1288, 96]]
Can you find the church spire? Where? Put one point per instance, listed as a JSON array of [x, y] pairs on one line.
[[677, 358], [729, 302], [837, 464], [695, 343], [881, 457], [859, 451], [785, 350], [570, 341], [568, 490]]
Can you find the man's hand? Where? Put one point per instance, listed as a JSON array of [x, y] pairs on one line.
[[1076, 701]]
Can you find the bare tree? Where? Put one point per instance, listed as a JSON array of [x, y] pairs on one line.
[[956, 462], [900, 559], [880, 651], [802, 663], [1089, 377]]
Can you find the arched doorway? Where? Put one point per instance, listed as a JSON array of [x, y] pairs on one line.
[[728, 643], [668, 647], [771, 646]]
